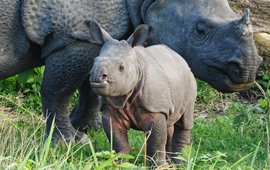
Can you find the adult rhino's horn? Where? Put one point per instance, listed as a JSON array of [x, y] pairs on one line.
[[244, 23]]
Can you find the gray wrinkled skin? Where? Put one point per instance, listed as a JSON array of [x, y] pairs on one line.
[[216, 43], [139, 89], [53, 33]]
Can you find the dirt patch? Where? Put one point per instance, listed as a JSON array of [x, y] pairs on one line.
[[8, 113], [224, 102]]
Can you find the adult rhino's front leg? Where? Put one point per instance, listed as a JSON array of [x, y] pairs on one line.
[[65, 70], [86, 114]]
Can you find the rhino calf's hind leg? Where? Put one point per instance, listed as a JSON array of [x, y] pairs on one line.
[[181, 138], [182, 133], [170, 131], [85, 114]]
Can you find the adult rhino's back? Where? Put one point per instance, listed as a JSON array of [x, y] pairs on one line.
[[17, 53], [66, 20], [32, 30]]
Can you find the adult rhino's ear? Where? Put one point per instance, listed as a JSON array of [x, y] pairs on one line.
[[140, 35], [98, 34]]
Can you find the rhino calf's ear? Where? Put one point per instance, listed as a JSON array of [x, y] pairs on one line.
[[98, 34], [140, 35]]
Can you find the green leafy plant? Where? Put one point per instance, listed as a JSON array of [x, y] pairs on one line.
[[265, 81], [28, 81], [245, 113], [205, 93]]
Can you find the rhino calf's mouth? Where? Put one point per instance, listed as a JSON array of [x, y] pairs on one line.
[[99, 85]]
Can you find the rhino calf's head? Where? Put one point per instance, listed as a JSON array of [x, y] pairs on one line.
[[115, 71], [216, 42]]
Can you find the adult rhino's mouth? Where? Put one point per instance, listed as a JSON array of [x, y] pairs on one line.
[[233, 87], [232, 81]]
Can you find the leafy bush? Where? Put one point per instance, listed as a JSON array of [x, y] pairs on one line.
[[28, 81]]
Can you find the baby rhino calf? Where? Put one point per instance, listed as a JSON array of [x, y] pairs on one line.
[[149, 89]]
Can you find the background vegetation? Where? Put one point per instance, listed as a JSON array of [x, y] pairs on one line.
[[230, 132]]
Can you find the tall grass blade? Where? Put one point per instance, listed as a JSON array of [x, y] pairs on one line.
[[36, 158], [25, 161], [11, 166], [196, 154], [190, 160], [88, 166], [255, 154], [94, 153], [67, 156], [109, 161], [240, 160], [47, 145], [146, 136], [213, 166], [10, 121]]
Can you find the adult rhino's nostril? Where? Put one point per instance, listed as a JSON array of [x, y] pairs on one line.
[[235, 72], [241, 75]]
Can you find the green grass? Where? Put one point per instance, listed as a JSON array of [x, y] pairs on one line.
[[227, 134], [221, 135]]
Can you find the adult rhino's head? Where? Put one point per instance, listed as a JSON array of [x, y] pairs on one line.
[[216, 42], [116, 71]]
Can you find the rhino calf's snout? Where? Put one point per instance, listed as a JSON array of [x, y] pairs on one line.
[[103, 77], [98, 74]]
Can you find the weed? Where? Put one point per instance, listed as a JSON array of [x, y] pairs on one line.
[[205, 93]]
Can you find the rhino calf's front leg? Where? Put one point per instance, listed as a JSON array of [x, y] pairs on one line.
[[119, 131], [155, 124]]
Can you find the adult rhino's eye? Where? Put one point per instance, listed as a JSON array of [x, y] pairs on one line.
[[121, 68], [201, 30]]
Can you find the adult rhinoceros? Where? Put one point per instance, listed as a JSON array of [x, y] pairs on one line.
[[216, 42]]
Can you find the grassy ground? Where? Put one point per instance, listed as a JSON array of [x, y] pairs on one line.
[[230, 132]]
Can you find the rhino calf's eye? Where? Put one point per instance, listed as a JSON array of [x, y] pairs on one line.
[[121, 68]]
